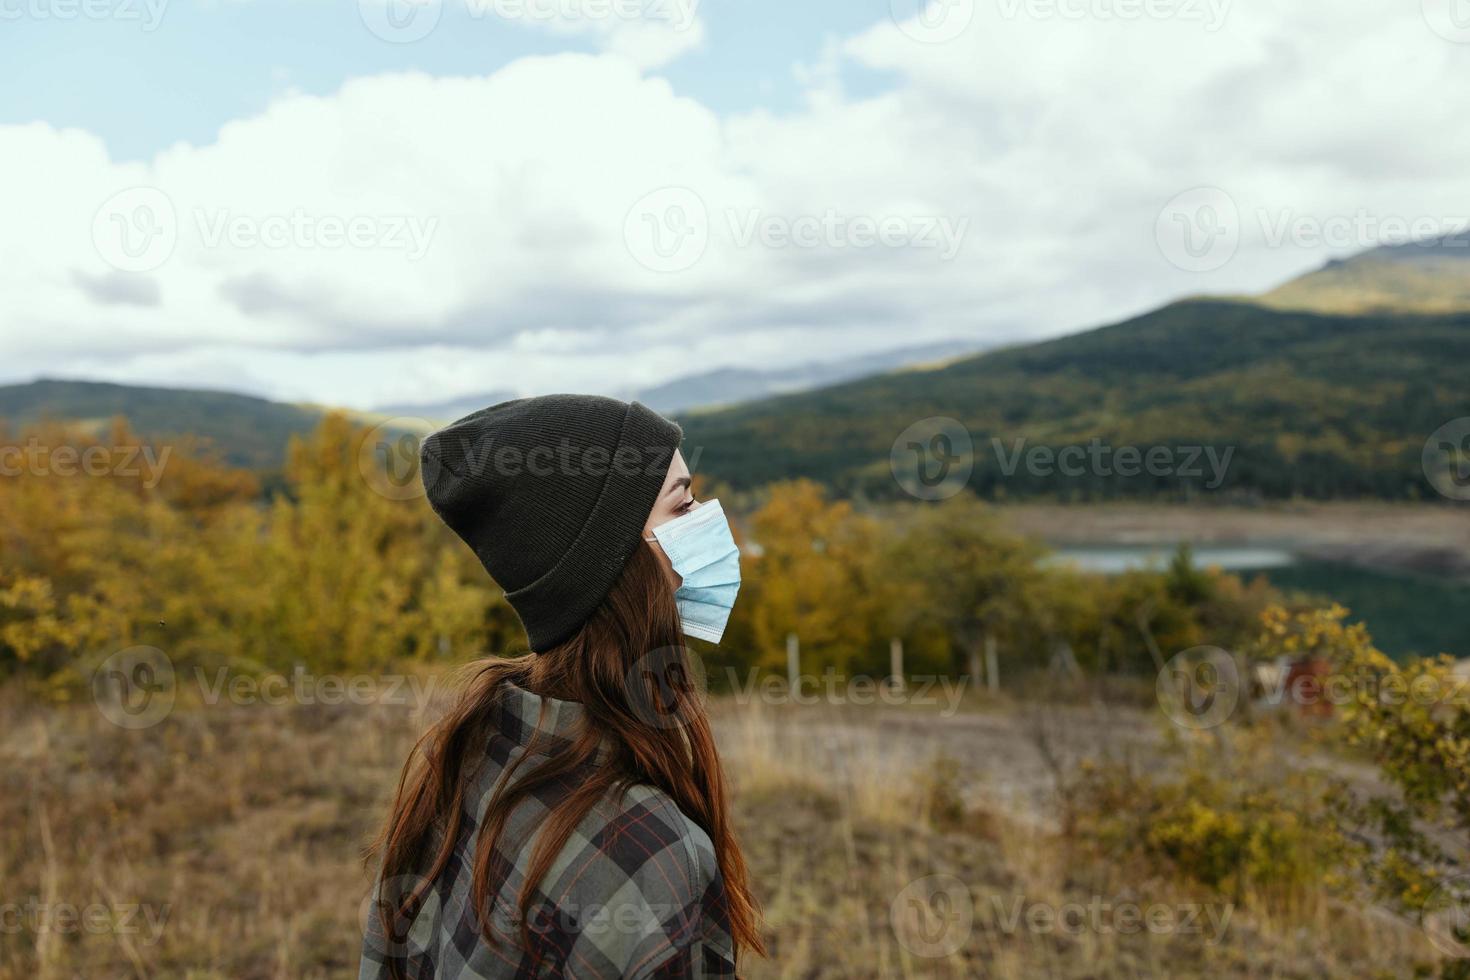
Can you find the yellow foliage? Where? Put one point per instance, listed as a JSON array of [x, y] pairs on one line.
[[329, 574]]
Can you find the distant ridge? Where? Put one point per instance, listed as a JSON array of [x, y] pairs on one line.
[[1428, 276], [723, 387], [446, 410], [734, 386]]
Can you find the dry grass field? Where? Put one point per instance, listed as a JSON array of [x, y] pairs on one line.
[[885, 841]]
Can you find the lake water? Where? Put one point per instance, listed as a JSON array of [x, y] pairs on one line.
[[1112, 559], [1406, 613]]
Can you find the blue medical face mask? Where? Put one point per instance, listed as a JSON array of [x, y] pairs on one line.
[[701, 549]]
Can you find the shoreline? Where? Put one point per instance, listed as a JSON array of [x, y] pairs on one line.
[[1424, 539]]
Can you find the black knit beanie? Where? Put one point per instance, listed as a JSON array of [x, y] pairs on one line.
[[552, 493]]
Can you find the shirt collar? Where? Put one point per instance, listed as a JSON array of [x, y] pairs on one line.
[[552, 724]]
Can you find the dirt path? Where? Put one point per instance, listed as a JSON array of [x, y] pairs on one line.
[[1009, 756]]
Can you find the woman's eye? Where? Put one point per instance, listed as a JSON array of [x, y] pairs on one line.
[[686, 505]]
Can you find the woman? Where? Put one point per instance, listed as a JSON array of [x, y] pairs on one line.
[[568, 817]]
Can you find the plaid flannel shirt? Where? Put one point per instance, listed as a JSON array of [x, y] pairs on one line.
[[636, 891]]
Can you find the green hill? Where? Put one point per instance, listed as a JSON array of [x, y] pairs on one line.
[[247, 431], [1308, 405]]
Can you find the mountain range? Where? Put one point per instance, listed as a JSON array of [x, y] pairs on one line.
[[722, 387], [252, 432], [1328, 385]]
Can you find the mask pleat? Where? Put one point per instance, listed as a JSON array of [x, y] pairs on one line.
[[704, 554]]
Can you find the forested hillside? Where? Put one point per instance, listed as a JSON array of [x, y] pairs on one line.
[[1307, 404], [246, 431]]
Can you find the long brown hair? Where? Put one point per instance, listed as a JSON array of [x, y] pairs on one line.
[[630, 671]]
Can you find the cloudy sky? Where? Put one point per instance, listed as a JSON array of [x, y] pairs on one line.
[[371, 201]]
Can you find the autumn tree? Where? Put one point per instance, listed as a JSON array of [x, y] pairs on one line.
[[812, 575], [976, 579]]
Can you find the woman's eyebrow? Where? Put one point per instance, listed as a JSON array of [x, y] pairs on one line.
[[682, 483]]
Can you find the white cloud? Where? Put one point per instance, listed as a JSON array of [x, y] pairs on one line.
[[650, 33], [415, 236]]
